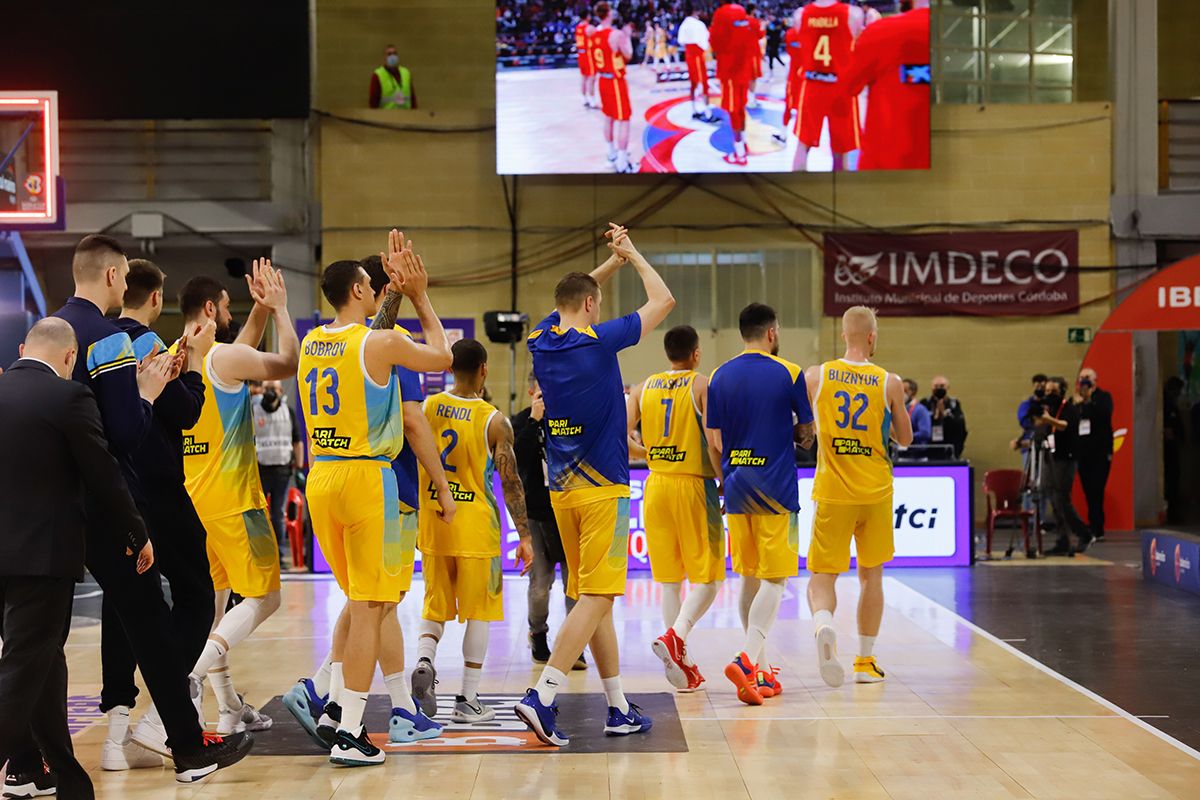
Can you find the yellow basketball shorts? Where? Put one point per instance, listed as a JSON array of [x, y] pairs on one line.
[[765, 546], [355, 515], [242, 553], [684, 531], [595, 538], [462, 587], [834, 524]]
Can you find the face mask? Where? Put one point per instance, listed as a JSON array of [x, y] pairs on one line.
[[939, 393], [392, 61], [1039, 393], [270, 400]]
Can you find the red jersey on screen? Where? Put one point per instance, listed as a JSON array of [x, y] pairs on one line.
[[795, 52], [826, 39], [759, 35], [734, 44], [609, 63], [891, 58], [586, 65]]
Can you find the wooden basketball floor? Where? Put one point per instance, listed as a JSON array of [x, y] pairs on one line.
[[961, 715]]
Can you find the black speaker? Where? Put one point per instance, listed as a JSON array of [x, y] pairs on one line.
[[504, 327]]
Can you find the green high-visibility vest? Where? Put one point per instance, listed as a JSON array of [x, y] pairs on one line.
[[393, 94]]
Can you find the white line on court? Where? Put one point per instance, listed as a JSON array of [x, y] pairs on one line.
[[894, 585]]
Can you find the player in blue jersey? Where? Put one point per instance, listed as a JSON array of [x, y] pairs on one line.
[[587, 457], [757, 405]]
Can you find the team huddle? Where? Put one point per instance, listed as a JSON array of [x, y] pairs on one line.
[[837, 52]]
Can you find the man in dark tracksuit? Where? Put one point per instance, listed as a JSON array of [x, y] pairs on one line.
[[133, 603], [178, 534]]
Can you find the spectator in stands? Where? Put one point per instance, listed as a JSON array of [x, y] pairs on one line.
[[922, 423], [949, 424], [280, 453], [391, 84], [1058, 426], [1095, 447]]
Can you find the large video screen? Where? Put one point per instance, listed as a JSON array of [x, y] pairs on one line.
[[695, 86]]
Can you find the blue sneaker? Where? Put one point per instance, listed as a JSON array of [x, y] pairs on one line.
[[408, 727], [541, 719], [624, 724], [307, 707]]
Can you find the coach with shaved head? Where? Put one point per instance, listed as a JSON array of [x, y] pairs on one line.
[[54, 423]]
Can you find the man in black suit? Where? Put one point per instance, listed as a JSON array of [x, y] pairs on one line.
[[51, 427]]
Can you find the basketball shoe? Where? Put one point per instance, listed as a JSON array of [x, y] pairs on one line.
[[304, 704], [246, 718], [326, 732], [741, 673], [632, 721], [408, 727], [867, 671], [350, 750], [469, 711], [424, 678], [832, 671], [767, 682], [30, 784], [672, 652], [214, 753], [542, 719]]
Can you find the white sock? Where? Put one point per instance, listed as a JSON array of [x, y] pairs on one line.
[[353, 705], [622, 159], [612, 151], [428, 635], [614, 694], [763, 612], [321, 678], [671, 603], [700, 598], [866, 646], [821, 619], [475, 640], [222, 684], [470, 684], [213, 652], [745, 597], [739, 147], [118, 724], [337, 683], [397, 689], [549, 684]]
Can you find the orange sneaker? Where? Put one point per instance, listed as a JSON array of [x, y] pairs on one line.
[[695, 679], [740, 673], [768, 682], [671, 650]]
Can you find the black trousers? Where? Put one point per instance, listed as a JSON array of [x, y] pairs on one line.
[[275, 482], [181, 557], [1093, 475], [1066, 519], [33, 679]]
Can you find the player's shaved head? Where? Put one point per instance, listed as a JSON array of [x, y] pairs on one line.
[[469, 358], [338, 280], [858, 322], [574, 289], [143, 280], [52, 340], [681, 343], [93, 255]]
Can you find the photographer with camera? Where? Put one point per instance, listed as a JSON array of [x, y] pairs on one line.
[[1094, 449], [1028, 412], [949, 423], [1058, 430]]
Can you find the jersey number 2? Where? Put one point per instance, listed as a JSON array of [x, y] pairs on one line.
[[847, 419], [451, 435], [335, 401]]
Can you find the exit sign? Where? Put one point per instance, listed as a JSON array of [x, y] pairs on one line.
[[1079, 335]]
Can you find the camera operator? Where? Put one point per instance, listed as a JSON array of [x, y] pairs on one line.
[[1094, 449], [1028, 412], [949, 423], [1058, 429]]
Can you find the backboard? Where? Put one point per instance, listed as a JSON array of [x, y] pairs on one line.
[[30, 186]]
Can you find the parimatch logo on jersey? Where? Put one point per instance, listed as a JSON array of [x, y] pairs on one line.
[[459, 494], [666, 453], [563, 427], [327, 437], [746, 458], [193, 448], [850, 447]]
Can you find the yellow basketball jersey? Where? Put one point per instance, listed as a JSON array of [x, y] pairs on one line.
[[347, 414], [220, 463], [672, 428], [460, 428], [853, 430]]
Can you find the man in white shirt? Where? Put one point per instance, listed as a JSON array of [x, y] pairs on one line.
[[693, 36]]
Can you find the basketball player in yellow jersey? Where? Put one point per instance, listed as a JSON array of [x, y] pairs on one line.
[[221, 474], [461, 561], [352, 408], [683, 511], [858, 407]]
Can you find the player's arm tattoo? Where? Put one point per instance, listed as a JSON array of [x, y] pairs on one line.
[[510, 481], [385, 319]]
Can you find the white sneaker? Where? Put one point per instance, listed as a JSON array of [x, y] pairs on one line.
[[832, 671], [246, 718], [120, 756], [196, 689], [151, 734], [467, 712]]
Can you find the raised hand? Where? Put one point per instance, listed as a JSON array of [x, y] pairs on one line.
[[414, 280], [266, 285], [394, 257], [154, 373]]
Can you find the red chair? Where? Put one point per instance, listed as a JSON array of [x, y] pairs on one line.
[[295, 525], [1003, 489]]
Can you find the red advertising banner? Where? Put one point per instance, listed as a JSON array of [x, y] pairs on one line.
[[1005, 273]]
